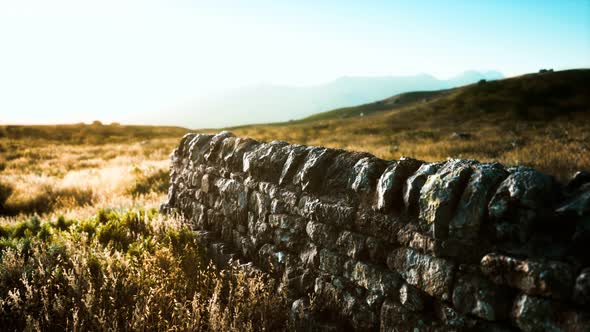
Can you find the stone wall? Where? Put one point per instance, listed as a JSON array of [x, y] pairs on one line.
[[362, 243]]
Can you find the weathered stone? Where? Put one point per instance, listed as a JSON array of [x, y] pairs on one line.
[[473, 205], [265, 162], [183, 145], [397, 318], [339, 215], [200, 216], [432, 275], [441, 193], [309, 256], [413, 186], [391, 183], [376, 280], [309, 176], [321, 234], [480, 297], [207, 183], [340, 172], [378, 225], [259, 204], [227, 146], [260, 231], [296, 156], [523, 197], [292, 223], [412, 298], [365, 173], [331, 262], [213, 154], [534, 314], [307, 205], [582, 287], [288, 231], [554, 279], [234, 159], [283, 201], [332, 242], [351, 244], [197, 147]]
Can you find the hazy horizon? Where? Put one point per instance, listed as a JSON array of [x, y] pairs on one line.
[[72, 61]]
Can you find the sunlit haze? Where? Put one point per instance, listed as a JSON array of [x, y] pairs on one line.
[[114, 60]]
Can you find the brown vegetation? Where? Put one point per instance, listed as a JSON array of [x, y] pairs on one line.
[[536, 120]]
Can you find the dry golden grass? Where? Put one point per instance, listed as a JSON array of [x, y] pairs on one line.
[[559, 146], [51, 176], [83, 248]]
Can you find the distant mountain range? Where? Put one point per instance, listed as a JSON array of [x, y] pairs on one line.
[[275, 103]]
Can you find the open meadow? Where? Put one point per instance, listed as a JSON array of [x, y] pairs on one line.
[[83, 247]]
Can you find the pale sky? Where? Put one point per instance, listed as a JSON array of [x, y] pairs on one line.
[[67, 61]]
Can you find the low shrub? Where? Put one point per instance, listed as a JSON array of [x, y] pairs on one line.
[[125, 270]]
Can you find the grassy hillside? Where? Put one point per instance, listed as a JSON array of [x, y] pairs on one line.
[[541, 120]]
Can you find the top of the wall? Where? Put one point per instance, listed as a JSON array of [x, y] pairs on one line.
[[456, 199]]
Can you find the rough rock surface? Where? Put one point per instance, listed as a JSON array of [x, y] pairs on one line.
[[392, 245]]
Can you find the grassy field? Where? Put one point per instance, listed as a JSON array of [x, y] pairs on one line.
[[539, 120], [82, 246]]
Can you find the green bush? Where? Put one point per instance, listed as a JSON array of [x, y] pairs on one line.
[[125, 270]]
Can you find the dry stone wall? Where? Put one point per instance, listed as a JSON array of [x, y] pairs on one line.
[[361, 243]]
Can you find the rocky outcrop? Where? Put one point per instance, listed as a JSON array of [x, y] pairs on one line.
[[361, 243]]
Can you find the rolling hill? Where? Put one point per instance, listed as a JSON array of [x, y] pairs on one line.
[[265, 103], [540, 120]]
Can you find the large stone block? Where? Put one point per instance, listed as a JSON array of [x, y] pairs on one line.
[[441, 193], [549, 278], [234, 156], [321, 234], [213, 154], [414, 184], [197, 147], [309, 256], [533, 314], [374, 279], [478, 296], [340, 173], [340, 215], [524, 196], [472, 209], [391, 183], [365, 173], [331, 262], [396, 318], [430, 274], [378, 225], [351, 244], [310, 175], [259, 204], [265, 162], [412, 298], [294, 159]]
